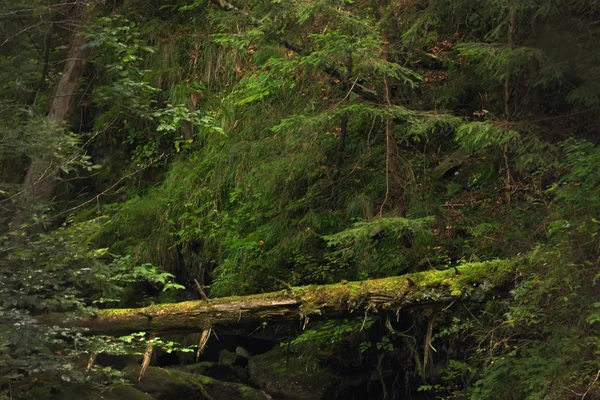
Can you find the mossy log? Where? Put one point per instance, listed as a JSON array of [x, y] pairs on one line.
[[475, 281]]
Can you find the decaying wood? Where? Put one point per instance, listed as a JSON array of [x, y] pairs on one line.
[[91, 362], [428, 345], [146, 362], [203, 342], [475, 282]]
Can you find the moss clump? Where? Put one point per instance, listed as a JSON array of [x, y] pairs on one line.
[[171, 384], [396, 291], [227, 357], [83, 392]]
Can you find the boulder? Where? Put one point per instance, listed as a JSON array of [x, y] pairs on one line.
[[230, 358], [288, 376], [242, 373], [355, 387], [83, 392], [129, 393], [215, 370], [173, 384], [242, 352], [119, 361]]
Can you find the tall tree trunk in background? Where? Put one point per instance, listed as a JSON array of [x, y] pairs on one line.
[[512, 22], [341, 147], [398, 172], [40, 180], [391, 172]]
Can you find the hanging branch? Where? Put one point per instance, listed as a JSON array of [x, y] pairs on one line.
[[91, 362], [203, 341]]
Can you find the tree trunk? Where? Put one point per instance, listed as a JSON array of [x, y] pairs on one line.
[[40, 180], [299, 305]]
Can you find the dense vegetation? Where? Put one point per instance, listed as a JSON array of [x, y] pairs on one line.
[[249, 144]]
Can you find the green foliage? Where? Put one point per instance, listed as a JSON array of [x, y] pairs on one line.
[[332, 333], [346, 339], [128, 99], [373, 248], [138, 342], [579, 187], [483, 136], [497, 62], [61, 271], [116, 42], [485, 150]]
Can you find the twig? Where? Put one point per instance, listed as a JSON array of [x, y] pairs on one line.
[[69, 161], [450, 305], [364, 321], [112, 186], [513, 123], [590, 387], [347, 94], [202, 294], [8, 39], [475, 318], [287, 285]]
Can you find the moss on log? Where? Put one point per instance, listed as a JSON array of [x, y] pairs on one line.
[[472, 281]]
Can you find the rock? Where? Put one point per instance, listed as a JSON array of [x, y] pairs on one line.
[[129, 393], [83, 392], [242, 373], [227, 357], [173, 384], [242, 352], [118, 361], [355, 387], [215, 370], [288, 377]]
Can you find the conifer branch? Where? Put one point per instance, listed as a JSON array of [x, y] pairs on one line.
[[358, 88]]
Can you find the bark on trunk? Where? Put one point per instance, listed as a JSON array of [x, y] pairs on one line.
[[40, 180], [299, 305]]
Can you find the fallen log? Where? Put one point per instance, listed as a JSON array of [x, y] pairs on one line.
[[475, 281]]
